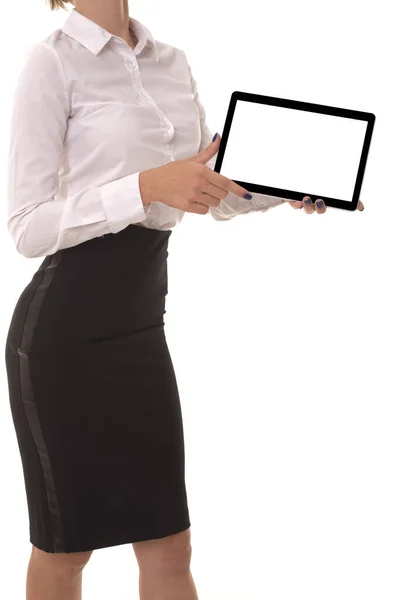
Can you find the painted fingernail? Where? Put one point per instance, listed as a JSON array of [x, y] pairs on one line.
[[248, 196], [308, 201], [215, 137], [320, 204]]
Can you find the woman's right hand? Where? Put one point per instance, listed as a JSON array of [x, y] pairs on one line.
[[188, 184]]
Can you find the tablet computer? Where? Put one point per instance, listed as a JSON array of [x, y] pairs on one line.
[[291, 149]]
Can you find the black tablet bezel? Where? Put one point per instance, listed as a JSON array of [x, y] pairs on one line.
[[307, 106]]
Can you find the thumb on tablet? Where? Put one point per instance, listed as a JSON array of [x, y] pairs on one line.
[[205, 155]]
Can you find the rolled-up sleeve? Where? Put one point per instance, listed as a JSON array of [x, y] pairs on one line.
[[232, 205], [39, 220]]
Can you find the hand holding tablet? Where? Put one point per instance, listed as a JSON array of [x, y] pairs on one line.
[[296, 150]]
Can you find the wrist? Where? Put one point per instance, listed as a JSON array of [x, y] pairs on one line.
[[146, 192]]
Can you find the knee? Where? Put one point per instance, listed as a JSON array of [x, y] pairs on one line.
[[68, 561], [170, 554]]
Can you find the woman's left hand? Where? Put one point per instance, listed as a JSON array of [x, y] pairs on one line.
[[319, 206]]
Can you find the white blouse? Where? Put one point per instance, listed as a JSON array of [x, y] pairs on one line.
[[89, 114]]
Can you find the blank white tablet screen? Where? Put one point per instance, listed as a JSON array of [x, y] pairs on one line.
[[294, 150]]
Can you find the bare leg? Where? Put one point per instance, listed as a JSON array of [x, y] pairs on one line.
[[164, 568], [55, 576]]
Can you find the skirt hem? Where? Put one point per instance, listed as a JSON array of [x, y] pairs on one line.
[[130, 538]]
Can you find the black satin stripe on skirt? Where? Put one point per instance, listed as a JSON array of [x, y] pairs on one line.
[[94, 398]]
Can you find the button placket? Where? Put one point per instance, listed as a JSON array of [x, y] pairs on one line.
[[133, 70], [166, 125]]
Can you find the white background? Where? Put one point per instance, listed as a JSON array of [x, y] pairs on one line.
[[283, 327], [306, 152]]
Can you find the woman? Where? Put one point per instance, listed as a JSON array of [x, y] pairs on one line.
[[109, 148]]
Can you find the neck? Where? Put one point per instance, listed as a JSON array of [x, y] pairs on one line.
[[112, 15]]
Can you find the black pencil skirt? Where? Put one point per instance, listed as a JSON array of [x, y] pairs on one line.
[[94, 398]]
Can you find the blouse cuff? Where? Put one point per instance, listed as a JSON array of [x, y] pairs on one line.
[[122, 201]]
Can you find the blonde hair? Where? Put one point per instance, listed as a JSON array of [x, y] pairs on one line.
[[57, 4]]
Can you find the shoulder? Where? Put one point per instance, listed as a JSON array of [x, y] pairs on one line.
[[54, 49], [42, 74], [43, 54]]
